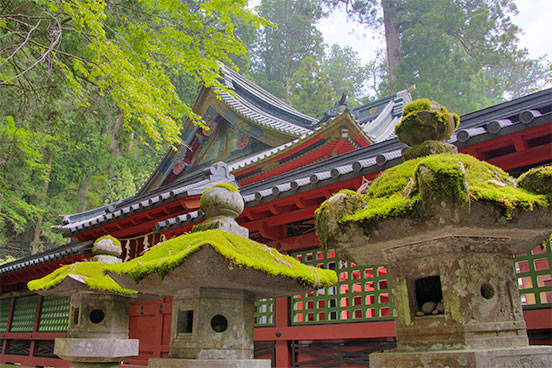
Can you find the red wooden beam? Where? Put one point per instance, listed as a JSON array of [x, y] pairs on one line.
[[280, 219], [528, 157], [499, 142], [296, 243], [272, 232], [35, 361], [142, 222], [32, 335], [361, 330]]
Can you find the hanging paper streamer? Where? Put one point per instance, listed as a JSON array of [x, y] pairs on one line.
[[127, 251], [146, 245]]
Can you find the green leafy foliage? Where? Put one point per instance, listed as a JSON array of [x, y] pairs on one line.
[[127, 51], [279, 48], [346, 73], [89, 88], [21, 161], [311, 88]]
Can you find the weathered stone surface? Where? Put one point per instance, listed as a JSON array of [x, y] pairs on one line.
[[365, 245], [208, 363], [481, 302], [528, 357], [428, 307], [222, 325], [208, 269], [85, 313], [222, 205], [96, 350], [448, 250]]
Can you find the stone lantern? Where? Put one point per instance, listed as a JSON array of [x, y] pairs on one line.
[[214, 277], [446, 226], [98, 321]]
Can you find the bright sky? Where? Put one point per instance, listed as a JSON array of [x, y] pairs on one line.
[[534, 18]]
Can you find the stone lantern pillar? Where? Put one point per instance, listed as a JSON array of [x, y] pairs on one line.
[[98, 321], [446, 226]]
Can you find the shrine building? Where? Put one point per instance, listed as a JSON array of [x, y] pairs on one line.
[[285, 165]]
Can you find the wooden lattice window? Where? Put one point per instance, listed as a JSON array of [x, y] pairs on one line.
[[264, 312], [54, 314], [5, 306], [24, 314], [535, 277], [362, 293]]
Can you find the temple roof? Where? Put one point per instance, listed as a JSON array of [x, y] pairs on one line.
[[487, 124], [256, 104]]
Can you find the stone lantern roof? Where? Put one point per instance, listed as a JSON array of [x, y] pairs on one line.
[[218, 255], [436, 192]]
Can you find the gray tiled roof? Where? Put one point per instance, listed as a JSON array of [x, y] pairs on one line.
[[68, 250], [256, 104], [189, 185], [479, 126], [380, 125]]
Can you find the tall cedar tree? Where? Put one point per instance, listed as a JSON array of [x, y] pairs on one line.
[[279, 49], [311, 89], [462, 52]]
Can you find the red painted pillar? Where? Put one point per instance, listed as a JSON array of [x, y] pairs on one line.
[[36, 322], [283, 353], [8, 326]]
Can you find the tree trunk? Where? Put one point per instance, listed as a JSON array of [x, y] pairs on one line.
[[35, 244], [392, 42], [114, 145], [83, 193]]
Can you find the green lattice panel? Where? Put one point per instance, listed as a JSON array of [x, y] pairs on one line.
[[24, 314], [54, 314], [5, 305], [535, 278], [362, 293], [264, 312]]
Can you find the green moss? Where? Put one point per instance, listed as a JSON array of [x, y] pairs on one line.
[[115, 240], [425, 120], [240, 251], [428, 148], [230, 187], [537, 180], [93, 274], [396, 191], [345, 201]]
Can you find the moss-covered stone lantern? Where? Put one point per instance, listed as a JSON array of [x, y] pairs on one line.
[[97, 335], [446, 225], [214, 277]]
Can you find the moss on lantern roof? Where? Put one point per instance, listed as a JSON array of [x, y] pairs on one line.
[[537, 180], [395, 192], [241, 251], [230, 187], [91, 273], [114, 240]]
